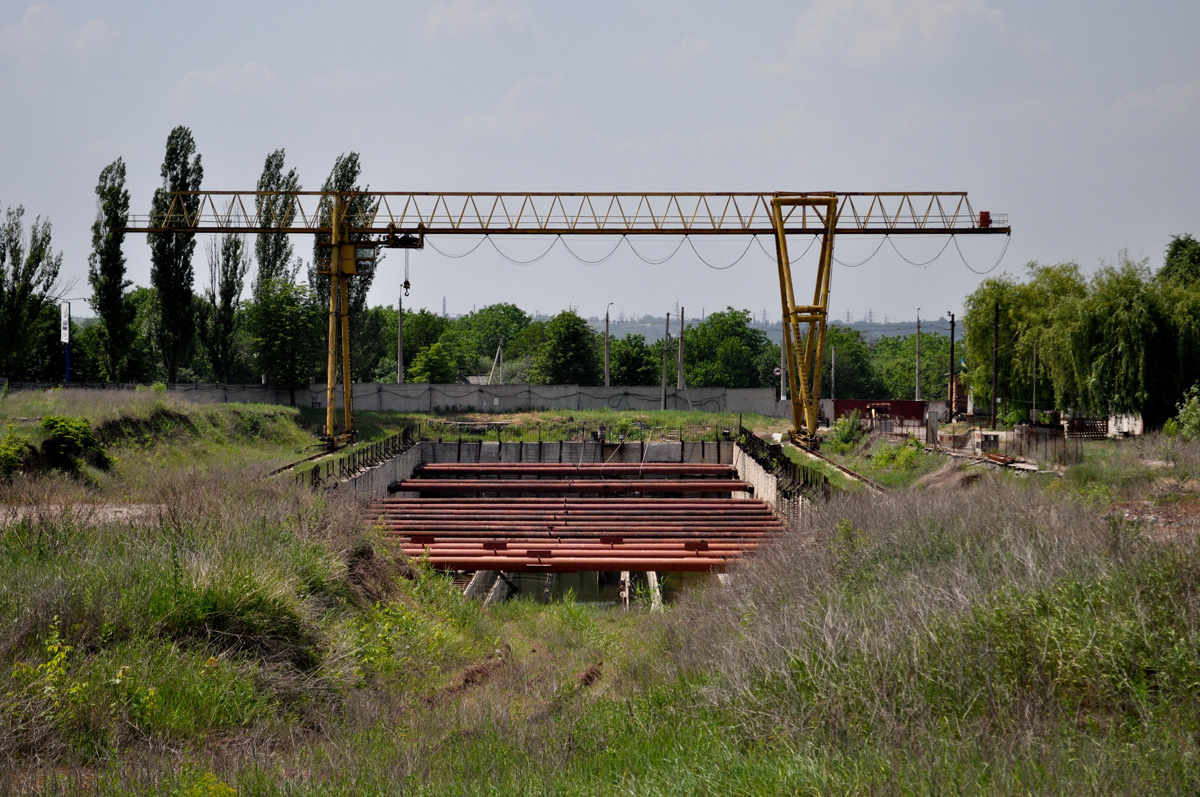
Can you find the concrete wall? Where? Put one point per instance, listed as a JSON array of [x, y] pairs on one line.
[[766, 488], [373, 482], [475, 398]]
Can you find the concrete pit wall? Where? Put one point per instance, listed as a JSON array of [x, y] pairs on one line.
[[766, 488], [474, 398], [372, 483]]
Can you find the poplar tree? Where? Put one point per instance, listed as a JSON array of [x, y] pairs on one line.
[[171, 272], [344, 177], [227, 266], [106, 271], [273, 250]]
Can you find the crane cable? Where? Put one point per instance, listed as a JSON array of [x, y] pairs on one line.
[[688, 239]]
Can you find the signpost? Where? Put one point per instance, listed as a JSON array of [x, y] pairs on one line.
[[65, 337]]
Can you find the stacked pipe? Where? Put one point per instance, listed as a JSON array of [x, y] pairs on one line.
[[567, 534]]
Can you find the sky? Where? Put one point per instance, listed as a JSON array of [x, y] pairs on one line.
[[1077, 119]]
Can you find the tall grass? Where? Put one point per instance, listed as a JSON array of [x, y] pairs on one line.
[[995, 636]]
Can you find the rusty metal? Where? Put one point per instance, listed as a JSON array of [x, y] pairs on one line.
[[575, 564], [461, 469], [572, 486]]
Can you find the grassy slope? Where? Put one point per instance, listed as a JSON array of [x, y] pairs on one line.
[[1002, 638]]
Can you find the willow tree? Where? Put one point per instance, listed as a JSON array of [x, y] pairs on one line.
[[1128, 343]]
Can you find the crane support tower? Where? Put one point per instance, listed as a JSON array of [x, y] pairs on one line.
[[356, 224]]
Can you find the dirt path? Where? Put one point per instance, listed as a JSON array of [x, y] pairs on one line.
[[86, 514]]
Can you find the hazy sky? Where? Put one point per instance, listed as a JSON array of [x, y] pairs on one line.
[[1078, 119]]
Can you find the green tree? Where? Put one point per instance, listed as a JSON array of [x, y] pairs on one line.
[[377, 342], [1128, 345], [273, 250], [143, 364], [287, 332], [856, 374], [171, 272], [482, 330], [632, 363], [569, 354], [526, 342], [28, 291], [1182, 263], [344, 178], [220, 321], [895, 363], [106, 272], [725, 351], [981, 306], [434, 365]]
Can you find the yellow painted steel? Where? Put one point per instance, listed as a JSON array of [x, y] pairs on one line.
[[804, 363], [532, 213], [405, 218]]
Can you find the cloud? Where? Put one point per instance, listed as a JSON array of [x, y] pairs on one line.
[[1162, 109], [513, 117], [250, 78], [682, 56], [468, 17], [42, 31], [870, 31]]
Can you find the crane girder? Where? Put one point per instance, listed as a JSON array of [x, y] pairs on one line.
[[353, 223], [533, 213]]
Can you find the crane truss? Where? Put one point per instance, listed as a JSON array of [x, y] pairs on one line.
[[469, 213], [352, 224]]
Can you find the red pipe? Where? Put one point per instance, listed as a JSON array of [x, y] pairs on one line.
[[577, 564], [472, 468], [571, 486]]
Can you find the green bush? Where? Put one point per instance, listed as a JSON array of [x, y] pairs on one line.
[[845, 433], [69, 440], [12, 453], [903, 456], [1188, 419]]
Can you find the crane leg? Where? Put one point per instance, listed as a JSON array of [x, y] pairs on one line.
[[805, 358]]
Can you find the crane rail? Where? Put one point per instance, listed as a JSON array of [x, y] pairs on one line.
[[542, 213]]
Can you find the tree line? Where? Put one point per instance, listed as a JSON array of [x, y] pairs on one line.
[[1125, 340], [170, 331]]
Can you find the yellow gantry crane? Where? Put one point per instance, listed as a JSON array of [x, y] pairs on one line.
[[355, 224]]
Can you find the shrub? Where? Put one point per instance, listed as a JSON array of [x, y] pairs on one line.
[[845, 433], [71, 438], [903, 456], [1188, 419], [12, 453]]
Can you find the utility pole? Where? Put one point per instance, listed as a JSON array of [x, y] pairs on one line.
[[606, 311], [995, 356], [1035, 415], [679, 354], [782, 369], [400, 335], [833, 372], [666, 343], [918, 354], [951, 387]]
